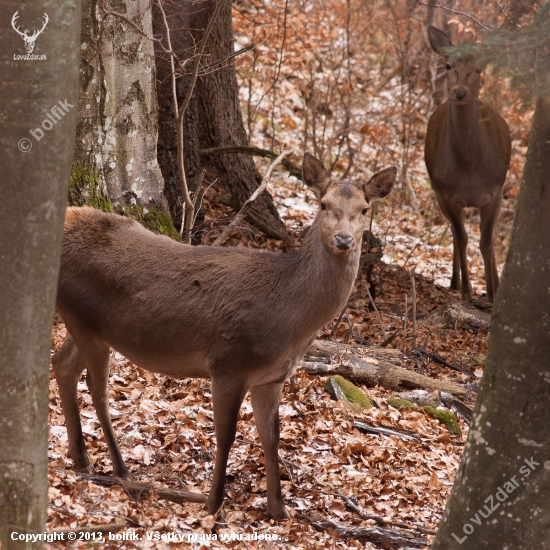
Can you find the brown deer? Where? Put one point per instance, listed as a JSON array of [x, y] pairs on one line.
[[467, 155], [241, 317]]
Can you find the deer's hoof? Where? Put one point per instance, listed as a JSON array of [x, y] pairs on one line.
[[213, 506], [122, 473], [81, 464], [278, 514]]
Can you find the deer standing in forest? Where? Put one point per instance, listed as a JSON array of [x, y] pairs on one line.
[[241, 317], [467, 155]]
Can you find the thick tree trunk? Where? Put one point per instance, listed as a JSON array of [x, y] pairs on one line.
[[115, 165], [35, 170], [501, 493], [213, 118]]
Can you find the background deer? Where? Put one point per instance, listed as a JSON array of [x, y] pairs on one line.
[[241, 317], [467, 155]]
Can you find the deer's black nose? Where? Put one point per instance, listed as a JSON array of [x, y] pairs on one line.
[[460, 95], [343, 242]]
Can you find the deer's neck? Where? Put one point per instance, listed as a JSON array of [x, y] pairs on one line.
[[465, 131], [321, 281]]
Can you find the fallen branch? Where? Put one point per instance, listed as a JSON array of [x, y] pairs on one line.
[[436, 358], [407, 435], [138, 490], [350, 501], [242, 212], [380, 520], [328, 349], [464, 314], [376, 372], [390, 338], [384, 538]]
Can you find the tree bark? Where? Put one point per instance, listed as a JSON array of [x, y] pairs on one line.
[[35, 170], [501, 493], [213, 118], [115, 166]]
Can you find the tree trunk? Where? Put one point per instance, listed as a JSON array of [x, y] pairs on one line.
[[501, 493], [213, 118], [115, 165], [35, 163]]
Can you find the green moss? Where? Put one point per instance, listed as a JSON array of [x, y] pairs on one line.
[[154, 219], [353, 393], [401, 404], [84, 189], [445, 417]]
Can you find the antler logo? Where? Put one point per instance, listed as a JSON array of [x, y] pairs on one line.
[[29, 40]]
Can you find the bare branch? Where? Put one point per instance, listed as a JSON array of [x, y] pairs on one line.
[[242, 212], [505, 12], [468, 16], [384, 336], [172, 67], [278, 70], [188, 211], [413, 285], [254, 151]]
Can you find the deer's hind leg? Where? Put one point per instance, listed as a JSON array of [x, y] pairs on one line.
[[68, 365], [90, 352]]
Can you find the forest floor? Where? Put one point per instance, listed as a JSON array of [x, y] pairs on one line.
[[166, 434]]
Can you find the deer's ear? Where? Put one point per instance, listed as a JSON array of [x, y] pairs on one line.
[[380, 185], [315, 175], [438, 40]]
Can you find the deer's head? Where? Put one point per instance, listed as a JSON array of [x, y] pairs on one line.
[[463, 72], [29, 40], [344, 204]]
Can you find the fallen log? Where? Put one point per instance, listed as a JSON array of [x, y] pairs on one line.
[[139, 490], [384, 538], [371, 370], [463, 314], [328, 349]]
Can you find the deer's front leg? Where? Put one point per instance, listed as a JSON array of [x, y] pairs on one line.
[[227, 396], [265, 403]]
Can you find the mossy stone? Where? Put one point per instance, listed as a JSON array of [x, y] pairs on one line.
[[399, 404], [445, 417], [353, 393]]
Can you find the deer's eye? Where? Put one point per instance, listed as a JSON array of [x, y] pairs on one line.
[[323, 206], [448, 66], [478, 71], [365, 210]]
